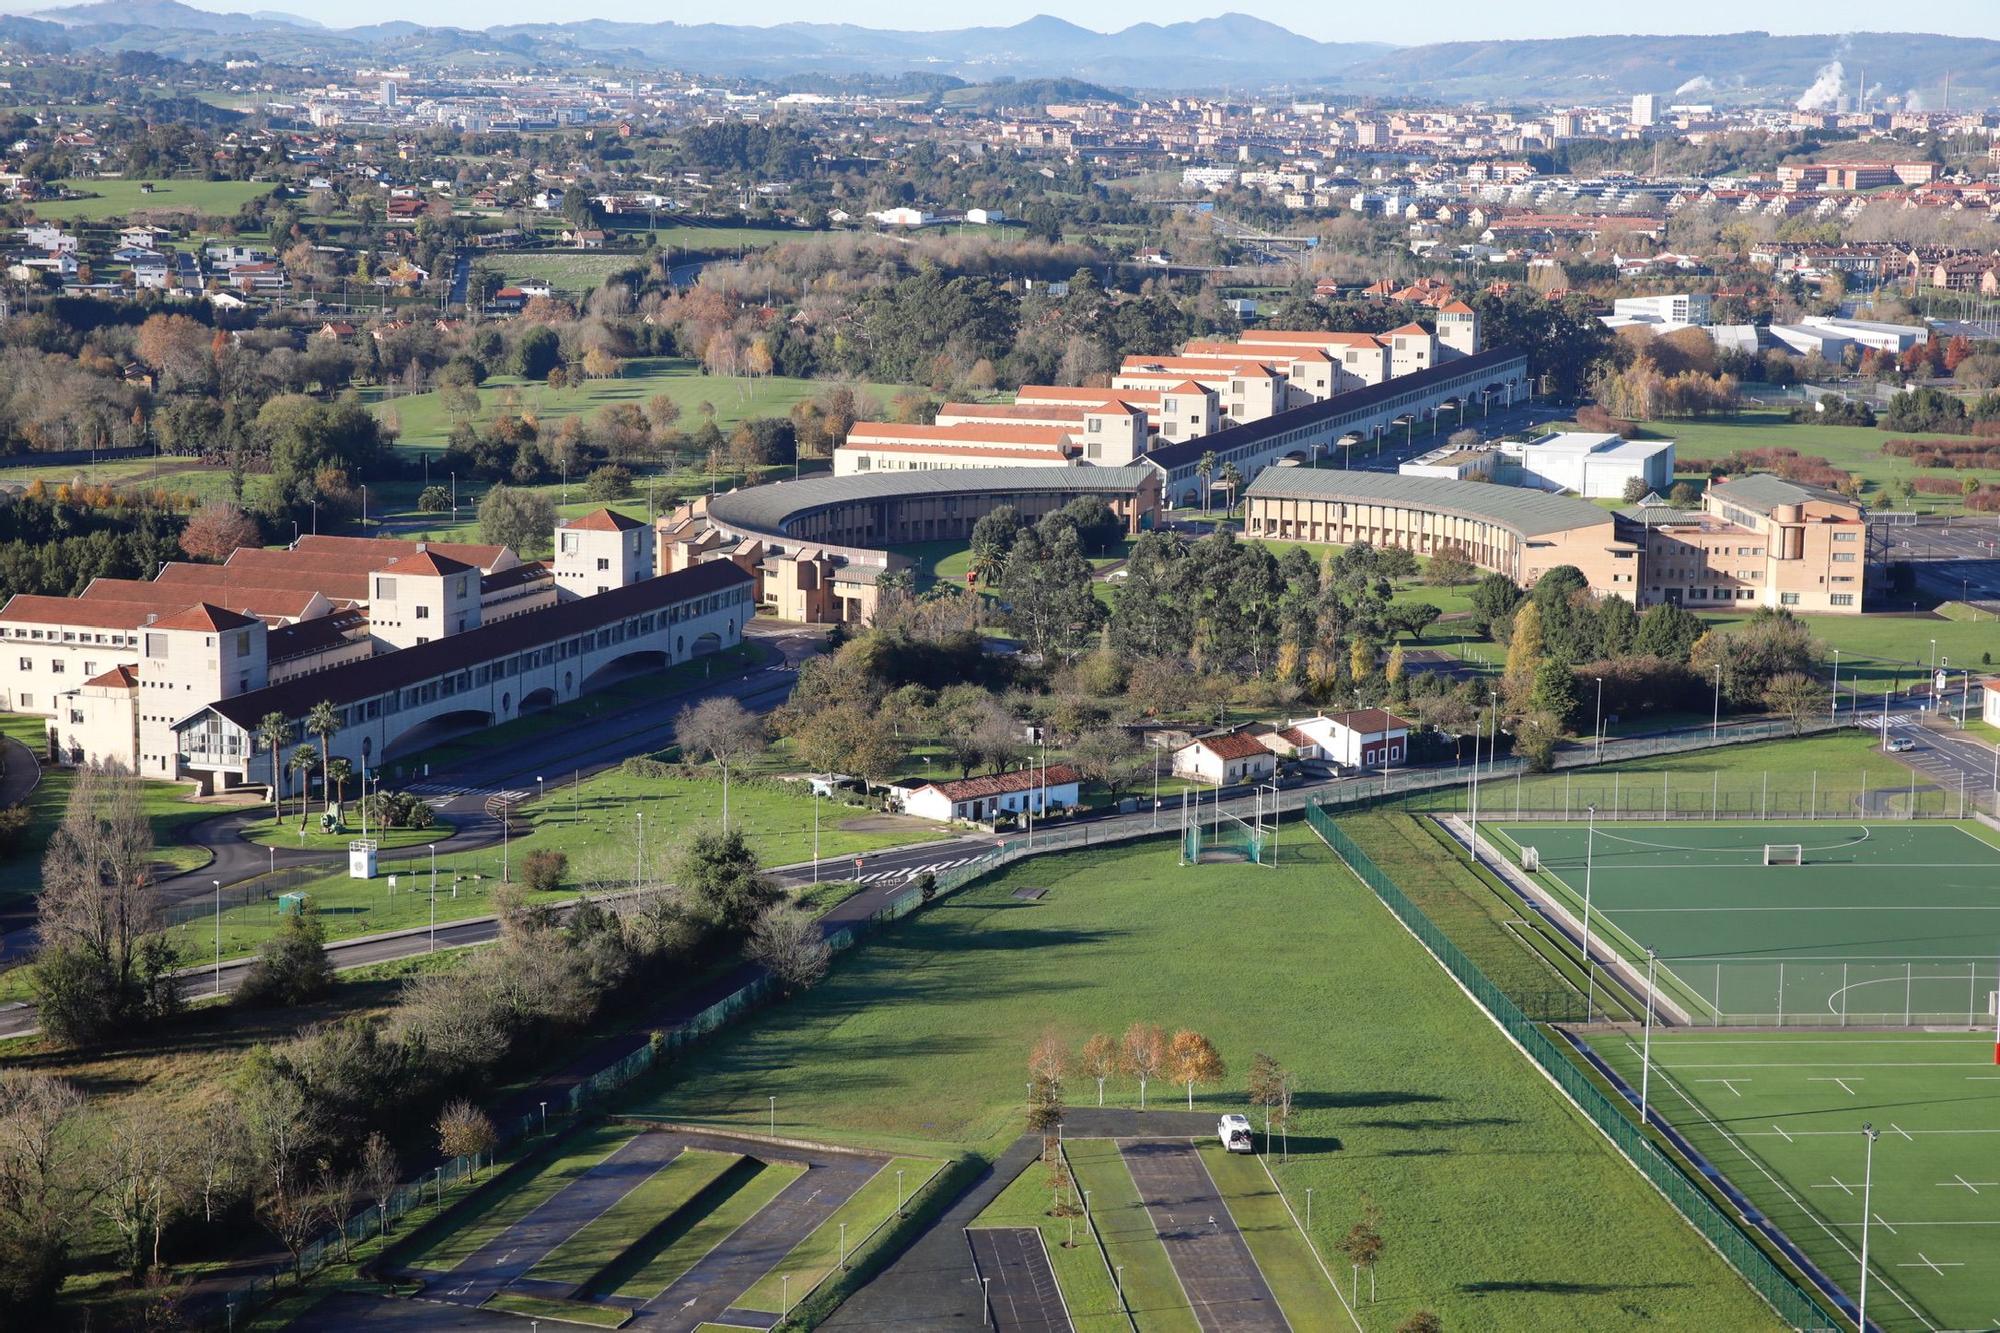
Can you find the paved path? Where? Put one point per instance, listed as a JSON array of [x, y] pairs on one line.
[[704, 1292], [1021, 1293], [932, 1285], [1222, 1281], [520, 1247]]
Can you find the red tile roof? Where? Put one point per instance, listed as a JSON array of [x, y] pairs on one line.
[[205, 616], [426, 562], [118, 678], [604, 520], [1232, 745], [999, 784]]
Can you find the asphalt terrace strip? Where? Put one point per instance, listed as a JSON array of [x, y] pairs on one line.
[[1222, 1281], [701, 1294], [1020, 1283], [520, 1247]]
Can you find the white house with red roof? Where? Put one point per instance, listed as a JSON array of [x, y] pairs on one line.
[[600, 551], [1359, 738], [978, 800], [1233, 757]]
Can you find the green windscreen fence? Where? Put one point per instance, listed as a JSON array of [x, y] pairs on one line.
[[1796, 1306]]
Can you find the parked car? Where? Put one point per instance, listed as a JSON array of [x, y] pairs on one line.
[[1234, 1131], [1900, 744]]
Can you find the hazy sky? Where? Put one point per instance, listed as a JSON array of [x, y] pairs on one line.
[[1437, 20]]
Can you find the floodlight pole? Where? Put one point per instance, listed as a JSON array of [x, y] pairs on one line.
[[1869, 1133], [434, 898], [1475, 794], [1834, 714], [1646, 1050], [218, 935], [1589, 860], [1715, 717], [1598, 726]]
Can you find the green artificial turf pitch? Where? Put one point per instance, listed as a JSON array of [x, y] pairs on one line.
[[1781, 1115], [1892, 923]]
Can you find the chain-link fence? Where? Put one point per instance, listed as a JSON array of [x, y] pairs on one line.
[[1795, 1305], [1692, 793]]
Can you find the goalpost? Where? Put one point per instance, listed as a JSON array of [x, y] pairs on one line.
[[1531, 858], [1784, 854]]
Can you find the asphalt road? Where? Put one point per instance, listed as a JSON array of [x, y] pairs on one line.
[[1222, 1281], [1021, 1293]]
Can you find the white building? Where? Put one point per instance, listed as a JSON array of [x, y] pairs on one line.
[[1806, 339], [1645, 109], [978, 800], [1679, 309], [1897, 338], [1991, 708], [1226, 760], [1595, 466], [1362, 738]]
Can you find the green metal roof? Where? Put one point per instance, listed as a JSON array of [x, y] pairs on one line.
[[1761, 492], [769, 508], [1527, 512]]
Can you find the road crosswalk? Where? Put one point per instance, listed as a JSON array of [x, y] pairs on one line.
[[438, 795], [909, 872]]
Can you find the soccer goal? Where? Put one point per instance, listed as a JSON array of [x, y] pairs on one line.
[[1784, 854], [1531, 858]]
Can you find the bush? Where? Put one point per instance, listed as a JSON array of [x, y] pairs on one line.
[[543, 871], [291, 967], [13, 823], [434, 500], [645, 766], [610, 482]]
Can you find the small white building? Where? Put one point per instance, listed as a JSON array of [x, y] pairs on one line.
[[1593, 465], [1897, 338], [1225, 760], [1678, 309], [1990, 696], [978, 800], [1805, 339], [1362, 738], [985, 217], [903, 217]]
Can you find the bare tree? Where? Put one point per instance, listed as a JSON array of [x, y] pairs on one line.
[[283, 1123], [380, 1174], [1142, 1054], [217, 1156], [334, 1190], [788, 941], [723, 730], [43, 1187], [141, 1174], [1363, 1245], [1049, 1058], [1100, 1060]]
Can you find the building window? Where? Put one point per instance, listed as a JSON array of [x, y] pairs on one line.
[[1788, 599], [603, 563], [1842, 599], [423, 613], [385, 589], [27, 664]]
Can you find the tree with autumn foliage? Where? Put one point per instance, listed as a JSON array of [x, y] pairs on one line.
[[1194, 1059], [216, 530]]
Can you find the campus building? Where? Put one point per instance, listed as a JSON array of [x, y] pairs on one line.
[[1756, 541], [124, 670]]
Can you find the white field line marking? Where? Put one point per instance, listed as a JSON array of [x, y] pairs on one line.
[[1802, 907], [1729, 1083], [1821, 1133], [1904, 1132], [1884, 1225], [1831, 1064], [1781, 1132], [1923, 1261], [1838, 1184], [1673, 1085], [1957, 1181], [1841, 1081]]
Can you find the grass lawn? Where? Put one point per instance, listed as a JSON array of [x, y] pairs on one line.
[[445, 1244], [813, 1258], [167, 808], [1153, 1291], [424, 424], [1276, 1241], [1780, 1114], [118, 198], [575, 1312], [644, 1207], [917, 1039], [175, 476], [1880, 652], [284, 832], [1088, 1291], [680, 1244]]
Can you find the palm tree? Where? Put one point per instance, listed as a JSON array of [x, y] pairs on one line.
[[338, 771], [1205, 469], [1231, 479], [274, 733], [303, 761], [323, 720]]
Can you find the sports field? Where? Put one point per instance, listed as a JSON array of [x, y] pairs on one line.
[[1781, 1115], [1895, 923]]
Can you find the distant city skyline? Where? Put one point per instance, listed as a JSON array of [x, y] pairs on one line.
[[1440, 21]]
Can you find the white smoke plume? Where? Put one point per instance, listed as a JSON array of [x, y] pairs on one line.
[[1824, 94], [1913, 100], [1700, 83]]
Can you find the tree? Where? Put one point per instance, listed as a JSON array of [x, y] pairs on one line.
[[139, 1170], [719, 870], [992, 538], [1142, 1054], [323, 721], [1797, 696], [1363, 1244], [379, 1174], [338, 771], [1111, 756], [45, 1145], [1667, 631], [283, 1124], [1266, 1080], [291, 966], [1194, 1059], [1232, 480], [723, 730], [274, 733], [300, 765], [1494, 598], [1636, 490], [463, 1130], [1553, 691], [216, 530], [434, 500], [1049, 1057], [611, 482], [1205, 469], [1449, 567], [788, 941], [1525, 654], [101, 968], [1045, 1108], [522, 520], [1099, 1060]]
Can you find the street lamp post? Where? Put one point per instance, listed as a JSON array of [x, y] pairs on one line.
[[434, 897], [1589, 860], [774, 1115], [1869, 1133], [1598, 725], [218, 935], [1715, 718], [1834, 716]]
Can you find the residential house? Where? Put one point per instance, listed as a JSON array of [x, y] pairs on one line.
[[979, 800], [1362, 738], [1225, 760]]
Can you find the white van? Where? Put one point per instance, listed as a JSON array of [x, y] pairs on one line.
[[1234, 1131]]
